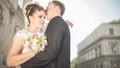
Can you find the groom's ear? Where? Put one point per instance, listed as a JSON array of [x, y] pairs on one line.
[[57, 9]]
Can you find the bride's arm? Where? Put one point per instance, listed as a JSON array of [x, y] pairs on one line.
[[15, 57]]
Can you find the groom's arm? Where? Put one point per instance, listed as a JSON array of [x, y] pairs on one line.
[[55, 34]]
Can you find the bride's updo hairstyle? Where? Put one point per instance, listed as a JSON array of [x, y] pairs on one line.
[[30, 9]]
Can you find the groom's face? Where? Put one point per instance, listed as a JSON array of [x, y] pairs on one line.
[[50, 11]]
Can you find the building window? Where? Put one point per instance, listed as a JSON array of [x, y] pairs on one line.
[[111, 31], [96, 52], [20, 3], [93, 53], [100, 52], [113, 48]]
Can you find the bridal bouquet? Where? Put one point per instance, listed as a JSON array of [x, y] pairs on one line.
[[35, 42]]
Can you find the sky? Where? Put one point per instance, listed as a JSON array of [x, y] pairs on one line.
[[86, 16]]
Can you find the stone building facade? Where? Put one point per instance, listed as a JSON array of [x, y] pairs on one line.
[[11, 20], [101, 49]]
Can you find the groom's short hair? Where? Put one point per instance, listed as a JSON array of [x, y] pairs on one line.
[[60, 5]]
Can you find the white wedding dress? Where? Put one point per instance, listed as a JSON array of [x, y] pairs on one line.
[[24, 33]]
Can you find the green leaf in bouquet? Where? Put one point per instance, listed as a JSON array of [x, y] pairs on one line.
[[38, 40], [28, 38], [25, 41]]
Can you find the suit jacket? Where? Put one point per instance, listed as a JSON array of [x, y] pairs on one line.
[[57, 52]]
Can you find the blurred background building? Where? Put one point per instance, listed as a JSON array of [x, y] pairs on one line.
[[101, 49], [11, 20], [74, 63]]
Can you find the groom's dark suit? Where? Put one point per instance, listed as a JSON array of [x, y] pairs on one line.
[[57, 52]]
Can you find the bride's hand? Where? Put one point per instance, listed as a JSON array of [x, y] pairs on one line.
[[69, 23]]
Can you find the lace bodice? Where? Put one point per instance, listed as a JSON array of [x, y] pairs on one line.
[[24, 33]]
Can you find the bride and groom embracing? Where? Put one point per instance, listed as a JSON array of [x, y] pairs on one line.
[[30, 49]]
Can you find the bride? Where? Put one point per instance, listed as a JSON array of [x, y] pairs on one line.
[[29, 41], [24, 45]]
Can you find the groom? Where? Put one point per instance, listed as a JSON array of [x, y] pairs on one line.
[[57, 52]]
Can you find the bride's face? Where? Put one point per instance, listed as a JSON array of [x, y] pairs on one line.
[[38, 18]]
